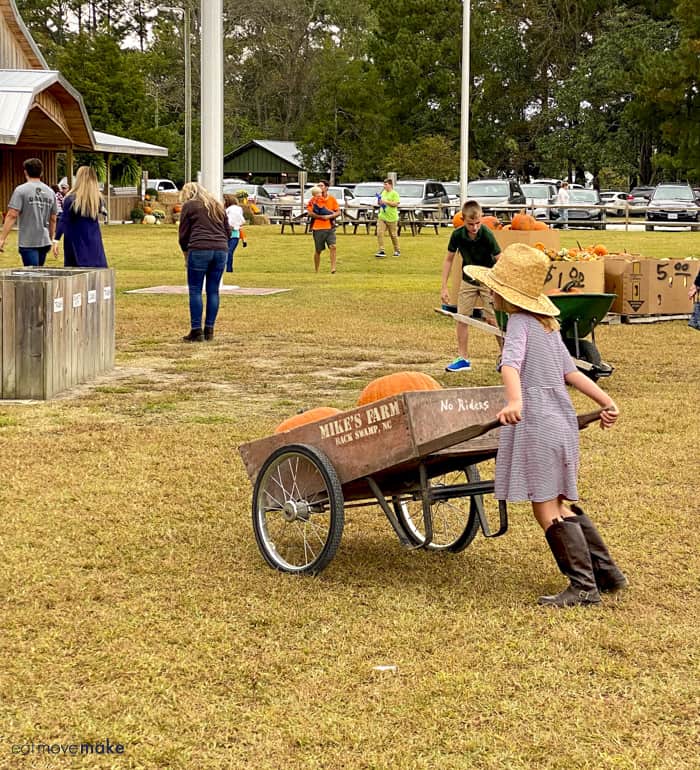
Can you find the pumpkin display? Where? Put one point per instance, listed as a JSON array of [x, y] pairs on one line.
[[393, 384], [304, 418]]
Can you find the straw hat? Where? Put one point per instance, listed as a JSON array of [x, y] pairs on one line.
[[518, 276]]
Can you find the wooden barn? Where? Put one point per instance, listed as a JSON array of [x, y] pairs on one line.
[[42, 115], [269, 160]]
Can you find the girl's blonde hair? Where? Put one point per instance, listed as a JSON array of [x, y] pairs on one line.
[[86, 193], [549, 323], [193, 191]]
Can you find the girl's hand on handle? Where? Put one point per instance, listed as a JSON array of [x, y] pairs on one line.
[[511, 413], [609, 415]]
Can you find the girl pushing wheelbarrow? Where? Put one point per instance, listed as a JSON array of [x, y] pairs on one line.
[[538, 453]]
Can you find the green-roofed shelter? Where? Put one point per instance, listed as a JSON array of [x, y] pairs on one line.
[[267, 160]]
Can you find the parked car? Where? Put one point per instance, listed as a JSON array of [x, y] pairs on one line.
[[672, 203], [424, 192], [275, 189], [588, 217], [493, 194], [615, 201], [366, 193], [537, 199], [639, 199], [161, 185], [453, 191], [343, 195], [257, 194]]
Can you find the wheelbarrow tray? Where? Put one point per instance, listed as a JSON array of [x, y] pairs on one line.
[[581, 311], [388, 439]]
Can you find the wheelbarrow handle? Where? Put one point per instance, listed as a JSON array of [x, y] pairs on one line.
[[474, 431]]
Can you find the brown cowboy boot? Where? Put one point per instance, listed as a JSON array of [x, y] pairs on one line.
[[570, 550], [608, 576]]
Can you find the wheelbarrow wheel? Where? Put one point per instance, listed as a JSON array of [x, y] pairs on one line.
[[455, 521], [587, 352], [298, 510]]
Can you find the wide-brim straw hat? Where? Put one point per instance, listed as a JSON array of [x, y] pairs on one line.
[[518, 276]]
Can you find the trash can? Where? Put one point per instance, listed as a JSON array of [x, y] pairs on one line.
[[56, 329]]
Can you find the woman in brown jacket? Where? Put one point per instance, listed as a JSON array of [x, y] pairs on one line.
[[203, 238]]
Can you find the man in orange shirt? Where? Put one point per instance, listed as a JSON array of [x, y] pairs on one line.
[[323, 225]]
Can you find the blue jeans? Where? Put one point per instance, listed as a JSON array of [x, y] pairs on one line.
[[33, 256], [232, 243], [203, 264]]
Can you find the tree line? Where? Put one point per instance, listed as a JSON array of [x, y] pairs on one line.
[[611, 87]]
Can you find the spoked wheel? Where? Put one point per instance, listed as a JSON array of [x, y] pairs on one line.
[[455, 522], [298, 514]]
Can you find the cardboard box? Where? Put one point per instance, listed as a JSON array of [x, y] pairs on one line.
[[550, 238], [647, 286], [585, 276]]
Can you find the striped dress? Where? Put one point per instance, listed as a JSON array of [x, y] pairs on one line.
[[538, 457]]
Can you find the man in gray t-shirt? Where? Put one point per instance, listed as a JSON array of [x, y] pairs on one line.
[[33, 206]]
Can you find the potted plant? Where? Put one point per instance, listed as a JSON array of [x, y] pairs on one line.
[[137, 215]]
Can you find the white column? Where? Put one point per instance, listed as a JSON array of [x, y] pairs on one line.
[[212, 96], [464, 123]]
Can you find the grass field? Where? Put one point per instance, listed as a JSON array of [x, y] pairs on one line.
[[135, 606]]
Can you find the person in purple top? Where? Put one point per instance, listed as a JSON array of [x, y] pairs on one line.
[[538, 446], [79, 225]]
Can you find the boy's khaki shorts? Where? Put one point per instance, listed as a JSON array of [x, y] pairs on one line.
[[468, 295]]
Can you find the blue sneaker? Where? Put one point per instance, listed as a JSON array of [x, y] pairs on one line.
[[459, 365]]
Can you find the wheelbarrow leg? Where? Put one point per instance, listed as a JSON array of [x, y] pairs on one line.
[[389, 513], [478, 503]]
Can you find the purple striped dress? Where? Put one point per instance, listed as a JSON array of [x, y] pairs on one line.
[[538, 458]]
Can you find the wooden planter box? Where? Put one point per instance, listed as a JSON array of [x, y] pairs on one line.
[[56, 329]]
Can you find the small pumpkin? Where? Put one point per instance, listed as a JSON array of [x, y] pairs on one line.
[[600, 250], [538, 225], [149, 219], [177, 208], [147, 210], [493, 223], [304, 418], [393, 384], [539, 245]]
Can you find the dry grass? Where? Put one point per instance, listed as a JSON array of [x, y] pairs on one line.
[[136, 607]]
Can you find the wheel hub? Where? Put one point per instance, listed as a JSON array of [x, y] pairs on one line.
[[296, 509]]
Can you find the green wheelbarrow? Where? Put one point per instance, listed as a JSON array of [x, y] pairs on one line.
[[579, 314]]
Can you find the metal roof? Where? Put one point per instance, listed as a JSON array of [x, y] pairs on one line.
[[288, 151], [119, 144], [19, 88]]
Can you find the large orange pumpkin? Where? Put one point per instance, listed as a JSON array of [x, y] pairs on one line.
[[522, 221], [147, 210], [311, 415], [538, 225], [392, 384], [458, 219]]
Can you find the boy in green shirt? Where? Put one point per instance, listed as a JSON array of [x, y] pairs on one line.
[[388, 218], [477, 245]]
